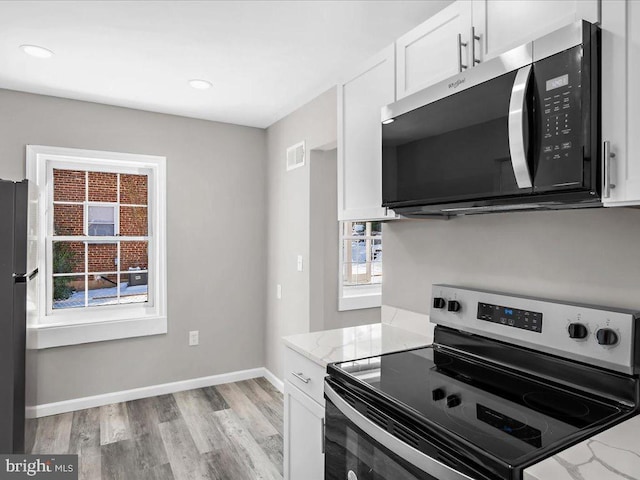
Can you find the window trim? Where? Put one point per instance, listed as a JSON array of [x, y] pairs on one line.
[[368, 296], [109, 322]]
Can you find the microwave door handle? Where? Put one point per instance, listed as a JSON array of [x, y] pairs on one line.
[[516, 128]]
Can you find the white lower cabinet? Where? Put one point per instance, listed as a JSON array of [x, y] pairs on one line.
[[304, 432], [303, 418]]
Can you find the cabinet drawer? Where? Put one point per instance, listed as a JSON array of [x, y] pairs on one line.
[[304, 374]]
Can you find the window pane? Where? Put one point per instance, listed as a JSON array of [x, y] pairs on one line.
[[376, 229], [133, 221], [358, 250], [99, 230], [102, 214], [349, 277], [134, 286], [376, 250], [103, 187], [67, 220], [133, 189], [133, 255], [68, 292], [133, 281], [101, 221], [102, 290], [103, 257], [376, 272], [68, 185], [68, 257], [358, 228]]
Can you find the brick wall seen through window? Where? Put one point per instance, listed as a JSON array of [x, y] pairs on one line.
[[99, 247]]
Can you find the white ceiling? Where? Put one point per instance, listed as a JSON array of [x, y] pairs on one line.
[[264, 58]]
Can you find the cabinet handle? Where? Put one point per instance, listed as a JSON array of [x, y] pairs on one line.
[[301, 377], [461, 44], [474, 38], [607, 155]]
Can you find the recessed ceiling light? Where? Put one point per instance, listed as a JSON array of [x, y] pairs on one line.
[[36, 51], [200, 84]]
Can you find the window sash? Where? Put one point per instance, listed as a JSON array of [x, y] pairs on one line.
[[58, 315], [87, 273]]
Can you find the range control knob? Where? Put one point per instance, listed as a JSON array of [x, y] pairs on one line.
[[439, 302], [577, 330], [438, 394], [453, 306], [606, 336], [453, 401]]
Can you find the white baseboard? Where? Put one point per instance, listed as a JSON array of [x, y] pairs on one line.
[[275, 381], [75, 404]]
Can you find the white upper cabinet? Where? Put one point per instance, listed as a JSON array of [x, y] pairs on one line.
[[435, 50], [506, 24], [360, 99], [621, 101]]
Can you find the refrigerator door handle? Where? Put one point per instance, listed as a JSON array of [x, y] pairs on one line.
[[32, 275], [25, 277]]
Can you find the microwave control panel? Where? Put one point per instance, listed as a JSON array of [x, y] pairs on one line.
[[559, 112]]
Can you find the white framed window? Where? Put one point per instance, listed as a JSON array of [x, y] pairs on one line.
[[101, 246], [360, 265]]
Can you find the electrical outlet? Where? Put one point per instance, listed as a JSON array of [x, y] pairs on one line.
[[279, 291], [194, 338]]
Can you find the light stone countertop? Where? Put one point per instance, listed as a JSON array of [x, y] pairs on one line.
[[344, 344], [611, 455]]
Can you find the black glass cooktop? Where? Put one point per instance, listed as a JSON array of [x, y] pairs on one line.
[[501, 412]]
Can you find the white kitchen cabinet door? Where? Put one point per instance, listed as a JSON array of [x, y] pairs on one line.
[[303, 436], [431, 52], [360, 100], [621, 99], [506, 24]]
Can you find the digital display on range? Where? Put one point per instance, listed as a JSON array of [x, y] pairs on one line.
[[561, 81], [510, 426], [510, 317]]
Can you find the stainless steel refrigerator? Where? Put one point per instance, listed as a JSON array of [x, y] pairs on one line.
[[16, 385]]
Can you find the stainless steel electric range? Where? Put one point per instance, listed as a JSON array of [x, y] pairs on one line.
[[508, 381]]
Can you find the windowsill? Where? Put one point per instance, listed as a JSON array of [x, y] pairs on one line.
[[357, 302], [59, 335]]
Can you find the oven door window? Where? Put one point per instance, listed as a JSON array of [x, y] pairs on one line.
[[350, 454]]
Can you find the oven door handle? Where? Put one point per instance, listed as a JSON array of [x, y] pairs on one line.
[[415, 457], [517, 148]]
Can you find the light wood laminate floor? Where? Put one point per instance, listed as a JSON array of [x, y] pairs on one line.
[[227, 432]]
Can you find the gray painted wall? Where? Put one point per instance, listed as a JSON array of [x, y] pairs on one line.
[[216, 232], [588, 256], [289, 209], [324, 245]]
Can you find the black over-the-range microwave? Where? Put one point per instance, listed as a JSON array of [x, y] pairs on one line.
[[520, 131]]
